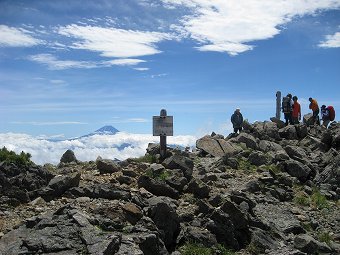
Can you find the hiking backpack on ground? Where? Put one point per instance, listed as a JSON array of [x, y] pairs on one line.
[[331, 113]]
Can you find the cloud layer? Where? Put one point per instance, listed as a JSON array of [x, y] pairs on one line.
[[332, 41], [17, 37], [87, 148], [228, 26]]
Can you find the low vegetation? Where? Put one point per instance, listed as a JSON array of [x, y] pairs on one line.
[[147, 158], [325, 237], [199, 249], [23, 159], [161, 176], [246, 165], [315, 200]]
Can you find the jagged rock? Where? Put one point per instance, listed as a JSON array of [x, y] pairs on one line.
[[132, 213], [180, 162], [267, 146], [156, 187], [331, 174], [312, 143], [157, 169], [222, 227], [199, 189], [177, 180], [258, 158], [153, 149], [297, 169], [68, 157], [308, 119], [308, 244], [301, 130], [279, 123], [58, 185], [295, 152], [288, 132], [262, 241], [196, 235], [252, 186], [249, 140], [210, 146], [229, 148], [163, 213], [107, 166]]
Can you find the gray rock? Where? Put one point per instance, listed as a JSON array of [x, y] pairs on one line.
[[58, 185], [308, 119], [308, 244], [301, 130], [157, 187], [163, 213], [229, 148], [196, 235], [107, 166], [267, 146], [296, 152], [180, 162], [298, 170], [258, 158], [68, 157], [210, 146], [262, 241], [199, 189], [249, 140], [279, 123], [288, 132]]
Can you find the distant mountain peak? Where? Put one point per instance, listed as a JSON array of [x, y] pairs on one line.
[[106, 130]]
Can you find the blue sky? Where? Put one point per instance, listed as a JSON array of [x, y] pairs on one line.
[[70, 67]]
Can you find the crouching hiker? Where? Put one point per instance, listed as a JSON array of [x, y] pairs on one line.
[[327, 114], [237, 120]]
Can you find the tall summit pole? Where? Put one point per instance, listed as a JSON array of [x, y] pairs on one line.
[[278, 104], [162, 127]]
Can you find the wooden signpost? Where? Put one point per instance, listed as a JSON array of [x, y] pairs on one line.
[[163, 127]]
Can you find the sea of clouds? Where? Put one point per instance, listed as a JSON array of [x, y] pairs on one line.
[[87, 148]]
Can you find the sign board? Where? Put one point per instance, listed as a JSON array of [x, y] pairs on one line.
[[163, 126]]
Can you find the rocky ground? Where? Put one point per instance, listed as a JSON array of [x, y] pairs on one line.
[[270, 190]]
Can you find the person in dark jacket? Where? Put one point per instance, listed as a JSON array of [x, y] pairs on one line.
[[237, 120]]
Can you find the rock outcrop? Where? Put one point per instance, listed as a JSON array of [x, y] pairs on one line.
[[269, 190]]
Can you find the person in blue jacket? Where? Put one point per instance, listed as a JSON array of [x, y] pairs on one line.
[[237, 120]]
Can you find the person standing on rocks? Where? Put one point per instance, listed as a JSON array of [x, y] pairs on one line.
[[237, 120], [296, 114], [287, 108], [315, 108], [325, 115]]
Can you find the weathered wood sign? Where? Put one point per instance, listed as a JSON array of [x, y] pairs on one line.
[[163, 127]]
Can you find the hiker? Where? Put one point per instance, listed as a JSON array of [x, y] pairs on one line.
[[327, 115], [315, 108], [296, 114], [237, 120], [287, 108]]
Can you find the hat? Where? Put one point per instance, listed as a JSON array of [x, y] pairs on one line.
[[238, 109], [323, 106]]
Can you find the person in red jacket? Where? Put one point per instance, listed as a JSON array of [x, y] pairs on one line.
[[296, 114]]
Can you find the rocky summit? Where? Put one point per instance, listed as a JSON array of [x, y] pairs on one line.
[[269, 190]]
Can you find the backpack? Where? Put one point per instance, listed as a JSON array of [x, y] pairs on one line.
[[331, 113], [286, 106]]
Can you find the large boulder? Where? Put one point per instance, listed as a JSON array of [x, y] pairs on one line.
[[308, 119], [107, 166], [296, 152], [308, 244], [279, 123], [229, 148], [249, 140], [163, 213], [267, 146], [258, 158], [298, 170], [68, 157], [180, 162], [288, 132], [210, 146], [157, 187], [301, 130]]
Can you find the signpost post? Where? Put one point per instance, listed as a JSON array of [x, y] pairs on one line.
[[163, 127], [278, 105]]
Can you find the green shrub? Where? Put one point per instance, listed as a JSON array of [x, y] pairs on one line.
[[301, 198], [161, 176], [246, 165], [325, 237], [23, 159], [147, 158], [319, 201]]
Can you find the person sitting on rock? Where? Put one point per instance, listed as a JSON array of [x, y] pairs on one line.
[[296, 114], [325, 115], [315, 108], [237, 120]]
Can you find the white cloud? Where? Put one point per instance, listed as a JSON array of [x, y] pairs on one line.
[[16, 37], [55, 64], [158, 75], [228, 26], [141, 68], [114, 42], [332, 41], [88, 148], [130, 120]]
